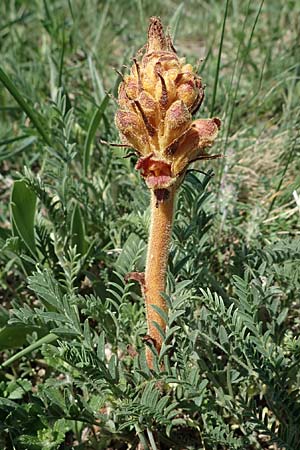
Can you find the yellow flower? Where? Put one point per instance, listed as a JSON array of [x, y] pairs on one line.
[[157, 100]]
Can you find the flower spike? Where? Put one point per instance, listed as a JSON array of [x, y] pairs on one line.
[[157, 100]]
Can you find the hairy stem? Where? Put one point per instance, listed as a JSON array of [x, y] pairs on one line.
[[156, 266]]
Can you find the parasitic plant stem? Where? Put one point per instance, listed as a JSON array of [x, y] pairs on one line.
[[156, 266]]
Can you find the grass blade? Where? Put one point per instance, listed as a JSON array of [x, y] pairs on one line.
[[96, 80], [44, 340], [140, 8], [101, 26], [13, 139], [91, 134], [288, 161], [241, 69], [175, 19], [236, 90], [21, 19], [27, 142], [214, 95], [10, 86]]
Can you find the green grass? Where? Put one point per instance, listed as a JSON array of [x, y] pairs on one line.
[[78, 221]]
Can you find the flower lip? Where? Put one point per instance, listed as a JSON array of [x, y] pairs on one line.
[[157, 173], [149, 165], [159, 181]]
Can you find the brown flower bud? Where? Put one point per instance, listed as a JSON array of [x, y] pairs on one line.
[[157, 100]]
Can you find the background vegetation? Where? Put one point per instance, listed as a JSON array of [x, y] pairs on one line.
[[74, 221]]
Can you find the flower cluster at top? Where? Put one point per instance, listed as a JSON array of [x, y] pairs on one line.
[[156, 103]]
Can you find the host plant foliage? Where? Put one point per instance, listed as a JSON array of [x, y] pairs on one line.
[[157, 100]]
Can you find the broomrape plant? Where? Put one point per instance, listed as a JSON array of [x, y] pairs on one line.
[[157, 101]]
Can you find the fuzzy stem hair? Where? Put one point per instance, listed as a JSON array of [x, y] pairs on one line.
[[156, 266]]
